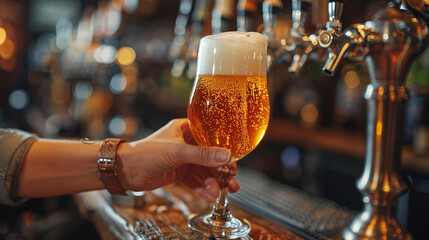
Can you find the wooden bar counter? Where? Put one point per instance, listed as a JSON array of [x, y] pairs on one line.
[[164, 213]]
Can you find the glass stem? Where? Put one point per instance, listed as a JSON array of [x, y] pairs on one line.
[[220, 209]]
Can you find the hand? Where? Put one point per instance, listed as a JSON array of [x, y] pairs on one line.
[[170, 155]]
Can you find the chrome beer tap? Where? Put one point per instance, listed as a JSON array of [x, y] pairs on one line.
[[180, 26], [246, 10], [199, 15], [178, 48], [388, 43], [351, 43], [298, 42], [222, 15], [270, 15]]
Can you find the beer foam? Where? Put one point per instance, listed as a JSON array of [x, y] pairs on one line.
[[233, 53]]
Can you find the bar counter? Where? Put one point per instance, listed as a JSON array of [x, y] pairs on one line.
[[275, 211]]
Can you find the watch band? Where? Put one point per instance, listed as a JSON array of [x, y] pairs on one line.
[[107, 165]]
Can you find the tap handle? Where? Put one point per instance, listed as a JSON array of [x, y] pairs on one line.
[[199, 14], [222, 15], [183, 17], [300, 9], [180, 26], [246, 10], [335, 10], [270, 14]]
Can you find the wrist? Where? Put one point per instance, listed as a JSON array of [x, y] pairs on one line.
[[123, 155], [107, 165]]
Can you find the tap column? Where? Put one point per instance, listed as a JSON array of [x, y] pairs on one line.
[[388, 43]]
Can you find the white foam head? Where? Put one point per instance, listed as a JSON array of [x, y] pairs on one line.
[[233, 53]]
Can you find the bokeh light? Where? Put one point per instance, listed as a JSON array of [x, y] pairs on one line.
[[19, 99], [83, 90], [2, 35], [7, 49], [118, 83], [290, 156], [117, 126], [105, 54], [352, 79], [309, 113], [126, 55], [64, 32]]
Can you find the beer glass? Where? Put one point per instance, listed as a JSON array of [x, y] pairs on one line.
[[229, 107]]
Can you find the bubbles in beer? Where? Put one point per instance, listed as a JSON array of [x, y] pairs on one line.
[[230, 112], [229, 105]]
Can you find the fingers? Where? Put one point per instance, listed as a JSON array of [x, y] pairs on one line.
[[203, 181], [208, 189], [233, 185], [205, 156]]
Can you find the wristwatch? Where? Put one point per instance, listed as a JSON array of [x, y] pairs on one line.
[[107, 165]]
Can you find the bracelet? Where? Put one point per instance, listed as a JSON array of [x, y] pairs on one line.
[[107, 165]]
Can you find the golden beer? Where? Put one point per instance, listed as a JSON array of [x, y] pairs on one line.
[[229, 111], [229, 107]]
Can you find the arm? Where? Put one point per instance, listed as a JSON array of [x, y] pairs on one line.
[[53, 167]]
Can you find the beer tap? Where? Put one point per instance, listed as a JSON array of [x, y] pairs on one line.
[[341, 44], [246, 10], [352, 43], [178, 46], [180, 26], [188, 48], [388, 43], [222, 15], [298, 42], [199, 16], [270, 15]]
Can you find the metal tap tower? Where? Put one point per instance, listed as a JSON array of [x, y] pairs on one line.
[[388, 43]]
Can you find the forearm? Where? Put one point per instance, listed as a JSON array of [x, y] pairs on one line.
[[54, 167]]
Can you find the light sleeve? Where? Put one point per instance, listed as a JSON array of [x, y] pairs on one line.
[[14, 145]]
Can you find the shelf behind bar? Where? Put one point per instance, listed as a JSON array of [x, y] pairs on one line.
[[334, 140]]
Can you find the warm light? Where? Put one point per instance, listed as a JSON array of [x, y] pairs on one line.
[[385, 36], [386, 188], [117, 3], [126, 55], [8, 65], [309, 113], [379, 128], [7, 49], [2, 35], [352, 79], [130, 72]]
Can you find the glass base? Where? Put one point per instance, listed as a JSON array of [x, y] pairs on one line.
[[230, 229]]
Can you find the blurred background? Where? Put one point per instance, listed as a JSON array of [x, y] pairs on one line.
[[124, 68]]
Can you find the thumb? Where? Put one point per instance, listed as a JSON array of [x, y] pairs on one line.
[[206, 156]]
